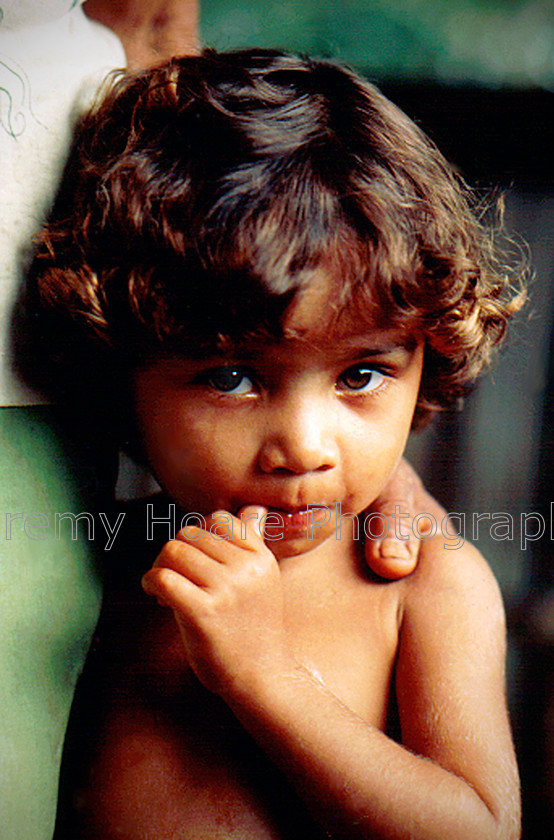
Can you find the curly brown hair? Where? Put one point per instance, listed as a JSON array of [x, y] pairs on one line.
[[199, 193]]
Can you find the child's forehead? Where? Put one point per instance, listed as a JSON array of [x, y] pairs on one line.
[[319, 317], [319, 320]]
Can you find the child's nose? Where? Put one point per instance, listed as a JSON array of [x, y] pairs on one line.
[[300, 439]]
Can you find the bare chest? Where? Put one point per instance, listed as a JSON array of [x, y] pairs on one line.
[[167, 759]]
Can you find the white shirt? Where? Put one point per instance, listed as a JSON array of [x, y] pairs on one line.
[[52, 60]]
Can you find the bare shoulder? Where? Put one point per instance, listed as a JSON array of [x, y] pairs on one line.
[[452, 575]]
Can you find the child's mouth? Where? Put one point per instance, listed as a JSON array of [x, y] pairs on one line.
[[305, 520]]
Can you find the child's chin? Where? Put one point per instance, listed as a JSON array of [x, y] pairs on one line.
[[284, 546]]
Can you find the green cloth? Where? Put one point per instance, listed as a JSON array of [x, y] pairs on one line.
[[50, 594]]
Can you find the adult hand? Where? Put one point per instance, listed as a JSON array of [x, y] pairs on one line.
[[395, 554]]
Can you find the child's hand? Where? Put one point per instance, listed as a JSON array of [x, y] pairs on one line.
[[228, 602], [396, 555]]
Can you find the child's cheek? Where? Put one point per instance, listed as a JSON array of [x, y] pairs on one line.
[[203, 466], [377, 451]]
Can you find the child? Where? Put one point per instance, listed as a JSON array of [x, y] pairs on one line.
[[273, 275]]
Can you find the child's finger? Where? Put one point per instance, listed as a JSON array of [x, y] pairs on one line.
[[190, 562], [209, 540], [245, 530], [173, 590], [252, 521]]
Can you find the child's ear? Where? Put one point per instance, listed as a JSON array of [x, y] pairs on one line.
[[396, 555]]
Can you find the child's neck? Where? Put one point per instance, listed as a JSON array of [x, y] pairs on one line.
[[334, 556]]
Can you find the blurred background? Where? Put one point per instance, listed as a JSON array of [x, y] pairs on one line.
[[478, 77]]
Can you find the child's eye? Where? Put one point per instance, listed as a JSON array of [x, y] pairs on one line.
[[229, 380], [361, 378]]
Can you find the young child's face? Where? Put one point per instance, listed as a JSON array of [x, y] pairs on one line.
[[319, 419]]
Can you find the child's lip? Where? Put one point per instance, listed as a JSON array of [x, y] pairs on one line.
[[290, 520], [302, 509]]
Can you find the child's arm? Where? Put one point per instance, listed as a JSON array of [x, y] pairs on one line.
[[455, 775]]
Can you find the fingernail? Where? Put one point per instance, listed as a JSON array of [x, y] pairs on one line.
[[394, 548]]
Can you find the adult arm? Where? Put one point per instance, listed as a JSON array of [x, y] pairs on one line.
[[151, 31]]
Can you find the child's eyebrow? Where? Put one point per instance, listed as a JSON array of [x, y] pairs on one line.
[[347, 347], [380, 348]]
